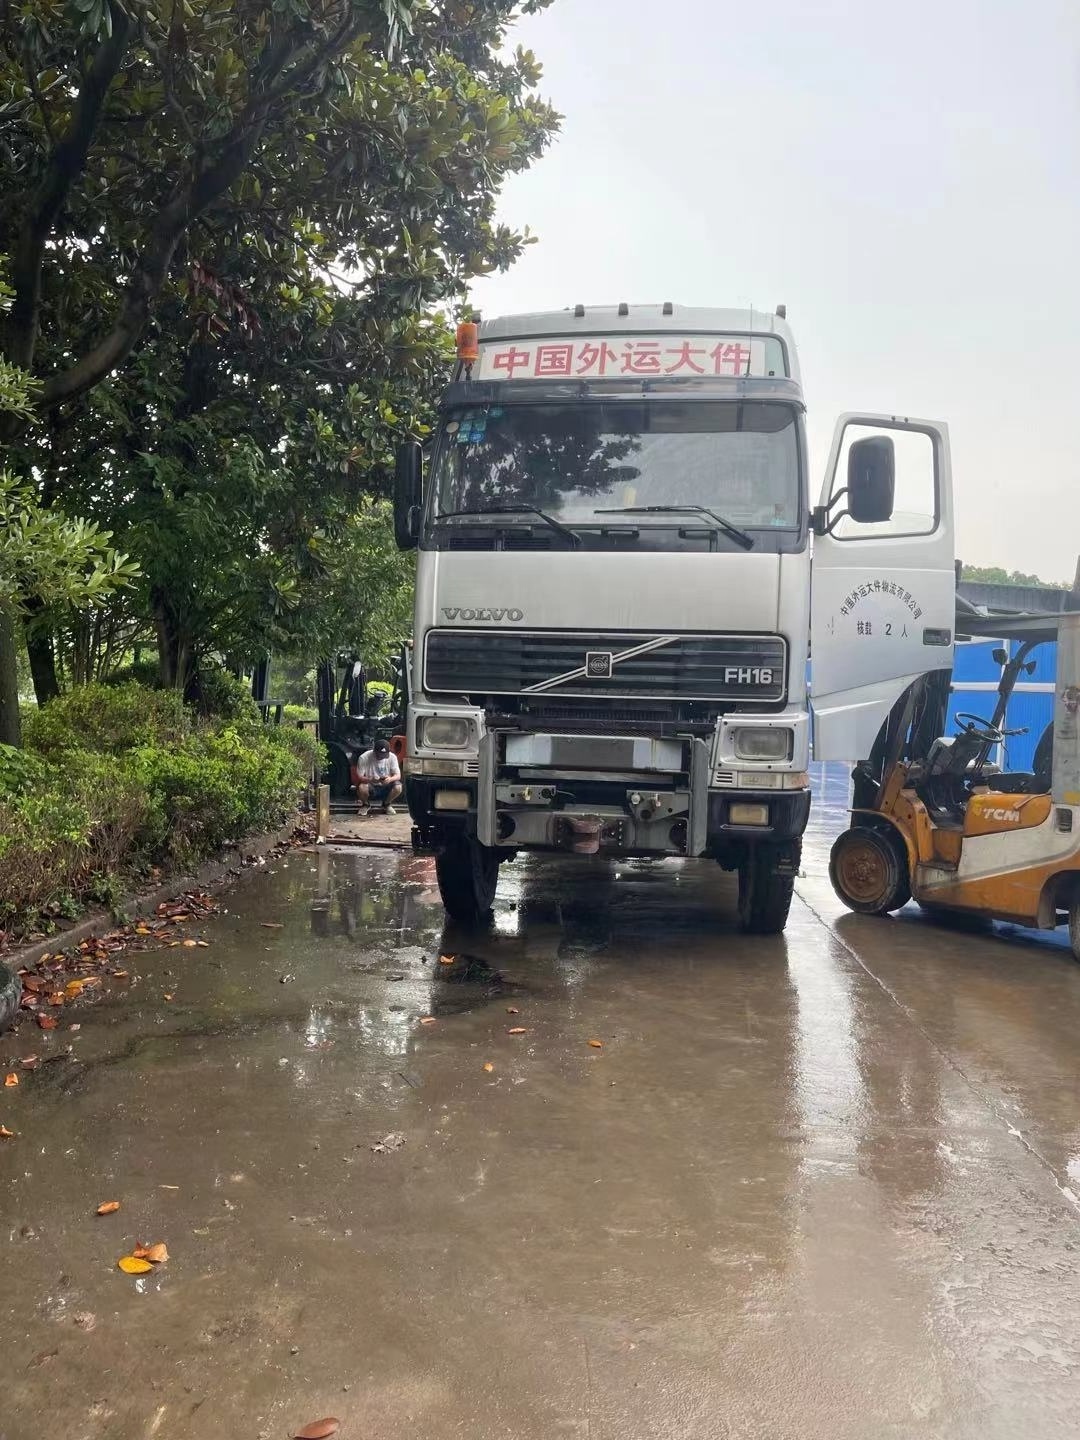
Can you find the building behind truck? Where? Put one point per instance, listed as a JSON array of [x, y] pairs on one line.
[[613, 596]]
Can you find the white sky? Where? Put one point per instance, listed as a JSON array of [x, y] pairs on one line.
[[904, 177]]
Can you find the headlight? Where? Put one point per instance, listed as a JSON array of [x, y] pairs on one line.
[[445, 732], [763, 743]]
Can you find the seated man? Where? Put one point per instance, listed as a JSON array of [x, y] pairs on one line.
[[379, 778]]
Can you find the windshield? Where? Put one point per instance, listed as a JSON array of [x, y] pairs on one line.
[[575, 460]]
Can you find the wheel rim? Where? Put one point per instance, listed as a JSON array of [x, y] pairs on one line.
[[864, 870]]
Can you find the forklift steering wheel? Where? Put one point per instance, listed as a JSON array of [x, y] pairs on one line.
[[979, 728]]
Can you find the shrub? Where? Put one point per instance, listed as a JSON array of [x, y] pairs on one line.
[[223, 697], [107, 718], [120, 777]]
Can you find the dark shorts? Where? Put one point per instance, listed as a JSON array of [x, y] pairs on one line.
[[379, 789]]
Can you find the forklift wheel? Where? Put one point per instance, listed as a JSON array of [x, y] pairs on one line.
[[1074, 923], [869, 871]]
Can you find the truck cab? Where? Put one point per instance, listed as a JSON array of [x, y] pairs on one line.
[[613, 596]]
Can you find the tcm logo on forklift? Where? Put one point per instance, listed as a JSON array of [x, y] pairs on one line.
[[1011, 817]]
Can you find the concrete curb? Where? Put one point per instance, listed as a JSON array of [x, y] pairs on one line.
[[211, 873]]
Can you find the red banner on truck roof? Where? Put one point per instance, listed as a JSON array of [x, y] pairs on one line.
[[611, 356]]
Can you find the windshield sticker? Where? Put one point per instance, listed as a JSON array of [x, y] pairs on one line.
[[730, 356]]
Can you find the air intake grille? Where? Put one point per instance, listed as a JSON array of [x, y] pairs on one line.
[[604, 664]]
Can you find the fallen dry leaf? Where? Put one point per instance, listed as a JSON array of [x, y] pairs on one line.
[[158, 1253], [319, 1429], [168, 1187], [73, 988], [11, 1079], [488, 1066], [119, 974], [189, 944], [169, 996], [47, 1022], [30, 1062], [33, 983], [140, 1251], [108, 1207], [203, 944], [427, 1019], [142, 930], [6, 1134], [133, 1265], [272, 925], [512, 1010], [447, 959], [393, 1141], [597, 1044], [516, 1030]]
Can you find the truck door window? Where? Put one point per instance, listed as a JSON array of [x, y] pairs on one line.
[[915, 504]]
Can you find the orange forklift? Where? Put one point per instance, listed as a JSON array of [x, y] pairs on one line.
[[937, 819]]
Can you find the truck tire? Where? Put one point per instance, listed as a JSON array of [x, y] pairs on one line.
[[869, 871], [764, 890], [10, 996], [468, 873]]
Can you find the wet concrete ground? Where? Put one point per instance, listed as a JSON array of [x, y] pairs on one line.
[[816, 1186]]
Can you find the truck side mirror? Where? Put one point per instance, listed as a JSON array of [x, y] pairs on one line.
[[871, 480], [408, 494]]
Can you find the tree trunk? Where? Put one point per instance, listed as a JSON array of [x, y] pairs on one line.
[[10, 724], [175, 668], [39, 647]]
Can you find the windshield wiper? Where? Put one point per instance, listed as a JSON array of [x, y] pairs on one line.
[[731, 531], [556, 525]]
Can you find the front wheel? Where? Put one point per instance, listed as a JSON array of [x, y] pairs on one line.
[[869, 871], [1074, 923], [468, 873], [766, 885]]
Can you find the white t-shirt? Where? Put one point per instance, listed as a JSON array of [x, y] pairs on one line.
[[378, 767]]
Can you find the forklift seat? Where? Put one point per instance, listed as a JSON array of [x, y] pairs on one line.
[[1038, 780]]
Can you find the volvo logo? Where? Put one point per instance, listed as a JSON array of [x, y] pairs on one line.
[[598, 664], [453, 612]]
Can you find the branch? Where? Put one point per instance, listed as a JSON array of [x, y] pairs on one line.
[[152, 267], [66, 164], [186, 205]]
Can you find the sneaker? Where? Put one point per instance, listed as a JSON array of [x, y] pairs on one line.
[[388, 810]]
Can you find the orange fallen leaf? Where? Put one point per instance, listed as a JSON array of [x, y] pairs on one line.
[[119, 974], [108, 1207], [189, 944], [56, 998], [47, 1022], [169, 997], [203, 944], [6, 1134], [516, 1030], [11, 1079], [447, 959], [133, 1265], [158, 1253], [142, 929], [319, 1429], [488, 1066], [597, 1044], [73, 988], [140, 1251], [427, 1019]]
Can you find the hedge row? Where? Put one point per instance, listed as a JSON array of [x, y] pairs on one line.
[[115, 779]]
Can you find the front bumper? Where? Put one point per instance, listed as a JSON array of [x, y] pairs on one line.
[[585, 794]]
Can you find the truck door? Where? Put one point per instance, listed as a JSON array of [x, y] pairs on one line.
[[883, 597]]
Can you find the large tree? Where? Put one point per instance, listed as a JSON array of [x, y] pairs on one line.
[[227, 219]]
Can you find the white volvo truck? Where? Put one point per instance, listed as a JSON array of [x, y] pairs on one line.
[[614, 598]]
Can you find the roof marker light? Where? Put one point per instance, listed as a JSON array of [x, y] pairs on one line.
[[624, 309]]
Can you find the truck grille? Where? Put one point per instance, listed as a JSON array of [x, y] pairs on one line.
[[605, 664]]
